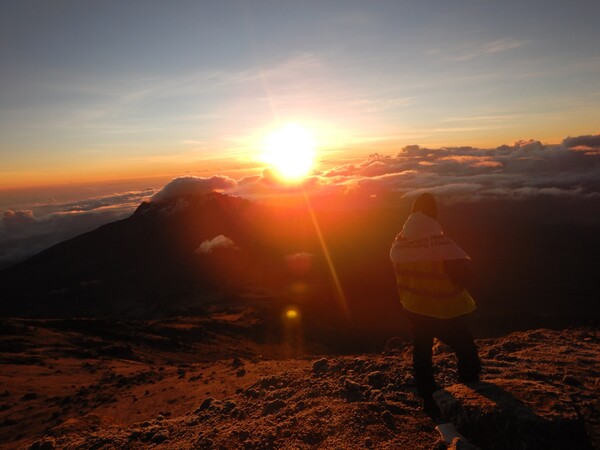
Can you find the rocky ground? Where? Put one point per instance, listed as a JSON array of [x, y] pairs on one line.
[[181, 384]]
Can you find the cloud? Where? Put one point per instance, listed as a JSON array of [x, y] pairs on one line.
[[14, 219], [184, 186], [471, 50], [109, 201], [219, 241], [588, 144], [26, 232], [524, 169]]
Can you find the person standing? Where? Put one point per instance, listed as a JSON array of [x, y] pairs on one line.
[[431, 274]]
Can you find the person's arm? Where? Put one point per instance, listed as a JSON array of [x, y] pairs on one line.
[[459, 271]]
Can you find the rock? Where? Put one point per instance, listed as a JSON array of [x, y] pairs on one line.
[[377, 396], [571, 380], [236, 362], [352, 386], [501, 414], [29, 396], [135, 434], [320, 366], [240, 372], [354, 391], [229, 406], [159, 438], [205, 404], [252, 393], [44, 444], [149, 433], [312, 437], [273, 407], [493, 352], [376, 379], [388, 419], [243, 435]]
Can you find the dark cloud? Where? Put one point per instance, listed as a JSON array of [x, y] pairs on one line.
[[182, 186], [592, 141]]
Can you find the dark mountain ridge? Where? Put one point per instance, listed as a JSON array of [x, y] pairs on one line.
[[534, 264]]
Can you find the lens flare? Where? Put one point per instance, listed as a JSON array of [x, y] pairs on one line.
[[292, 313], [341, 297]]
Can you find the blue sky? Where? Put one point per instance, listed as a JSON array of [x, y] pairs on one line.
[[115, 89]]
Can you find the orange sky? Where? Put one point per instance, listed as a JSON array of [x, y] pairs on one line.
[[111, 92]]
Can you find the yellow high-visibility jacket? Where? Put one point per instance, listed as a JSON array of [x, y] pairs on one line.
[[426, 289]]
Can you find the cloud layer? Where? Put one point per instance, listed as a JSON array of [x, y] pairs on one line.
[[524, 170], [26, 232]]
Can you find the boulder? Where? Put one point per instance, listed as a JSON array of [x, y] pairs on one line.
[[519, 414]]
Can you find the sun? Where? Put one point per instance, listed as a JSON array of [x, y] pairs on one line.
[[290, 150]]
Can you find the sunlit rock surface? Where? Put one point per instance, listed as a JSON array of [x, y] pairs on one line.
[[214, 382]]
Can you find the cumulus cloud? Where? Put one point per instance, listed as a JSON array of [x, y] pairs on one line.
[[183, 186], [219, 241], [525, 169], [589, 144]]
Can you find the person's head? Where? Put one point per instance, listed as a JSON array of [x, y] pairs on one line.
[[425, 203]]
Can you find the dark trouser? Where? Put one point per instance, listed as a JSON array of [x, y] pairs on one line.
[[453, 332]]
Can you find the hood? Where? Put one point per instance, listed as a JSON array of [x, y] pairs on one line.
[[422, 239], [419, 225]]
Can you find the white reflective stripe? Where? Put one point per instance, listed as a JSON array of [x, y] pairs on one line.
[[421, 274]]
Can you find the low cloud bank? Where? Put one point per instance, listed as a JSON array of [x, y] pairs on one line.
[[24, 232]]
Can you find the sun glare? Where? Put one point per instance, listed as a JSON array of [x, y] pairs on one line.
[[290, 151]]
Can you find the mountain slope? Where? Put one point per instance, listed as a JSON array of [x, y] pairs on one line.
[[534, 263]]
